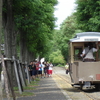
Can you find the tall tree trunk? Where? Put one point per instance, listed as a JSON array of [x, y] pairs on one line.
[[0, 43], [14, 53], [8, 30], [31, 56], [26, 55], [14, 43], [0, 26], [22, 47], [9, 36]]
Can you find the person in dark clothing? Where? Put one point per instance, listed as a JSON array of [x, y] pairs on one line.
[[45, 69], [47, 64], [37, 69], [34, 71]]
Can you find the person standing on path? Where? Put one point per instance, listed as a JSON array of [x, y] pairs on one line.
[[37, 69], [67, 68], [50, 70], [41, 69], [34, 71], [45, 69]]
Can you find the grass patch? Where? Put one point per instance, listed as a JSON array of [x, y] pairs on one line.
[[33, 83], [23, 94], [30, 86], [15, 88]]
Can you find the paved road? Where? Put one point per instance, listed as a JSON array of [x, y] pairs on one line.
[[47, 90]]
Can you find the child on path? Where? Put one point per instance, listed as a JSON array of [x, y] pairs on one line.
[[50, 70]]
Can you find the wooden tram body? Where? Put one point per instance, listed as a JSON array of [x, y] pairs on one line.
[[84, 74]]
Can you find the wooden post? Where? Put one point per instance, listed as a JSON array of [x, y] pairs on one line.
[[5, 79], [17, 76], [21, 74], [1, 87], [27, 72], [23, 71], [9, 80]]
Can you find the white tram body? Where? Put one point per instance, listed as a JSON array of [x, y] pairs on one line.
[[84, 74]]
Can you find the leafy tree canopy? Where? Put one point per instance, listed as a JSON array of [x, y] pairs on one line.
[[35, 18], [67, 31], [87, 14], [56, 58]]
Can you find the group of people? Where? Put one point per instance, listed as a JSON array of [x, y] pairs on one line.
[[44, 69], [40, 69]]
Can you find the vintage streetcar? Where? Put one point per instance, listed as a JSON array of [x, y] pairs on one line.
[[84, 74]]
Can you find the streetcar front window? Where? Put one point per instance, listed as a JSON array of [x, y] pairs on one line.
[[77, 53]]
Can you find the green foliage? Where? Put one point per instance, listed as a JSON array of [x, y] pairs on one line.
[[35, 18], [60, 65], [67, 31], [87, 14], [61, 37], [56, 58]]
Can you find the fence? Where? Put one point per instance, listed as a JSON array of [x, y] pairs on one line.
[[20, 75]]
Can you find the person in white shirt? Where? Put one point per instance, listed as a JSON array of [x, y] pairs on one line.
[[87, 53], [67, 68], [41, 69], [50, 70]]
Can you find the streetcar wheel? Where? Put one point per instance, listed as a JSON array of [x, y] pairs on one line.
[[81, 86], [97, 87], [72, 85]]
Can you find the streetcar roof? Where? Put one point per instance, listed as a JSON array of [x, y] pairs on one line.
[[86, 37]]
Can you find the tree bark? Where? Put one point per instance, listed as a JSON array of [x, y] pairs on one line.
[[25, 55], [22, 47], [8, 37], [0, 44], [0, 24], [8, 30], [0, 27], [14, 52]]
